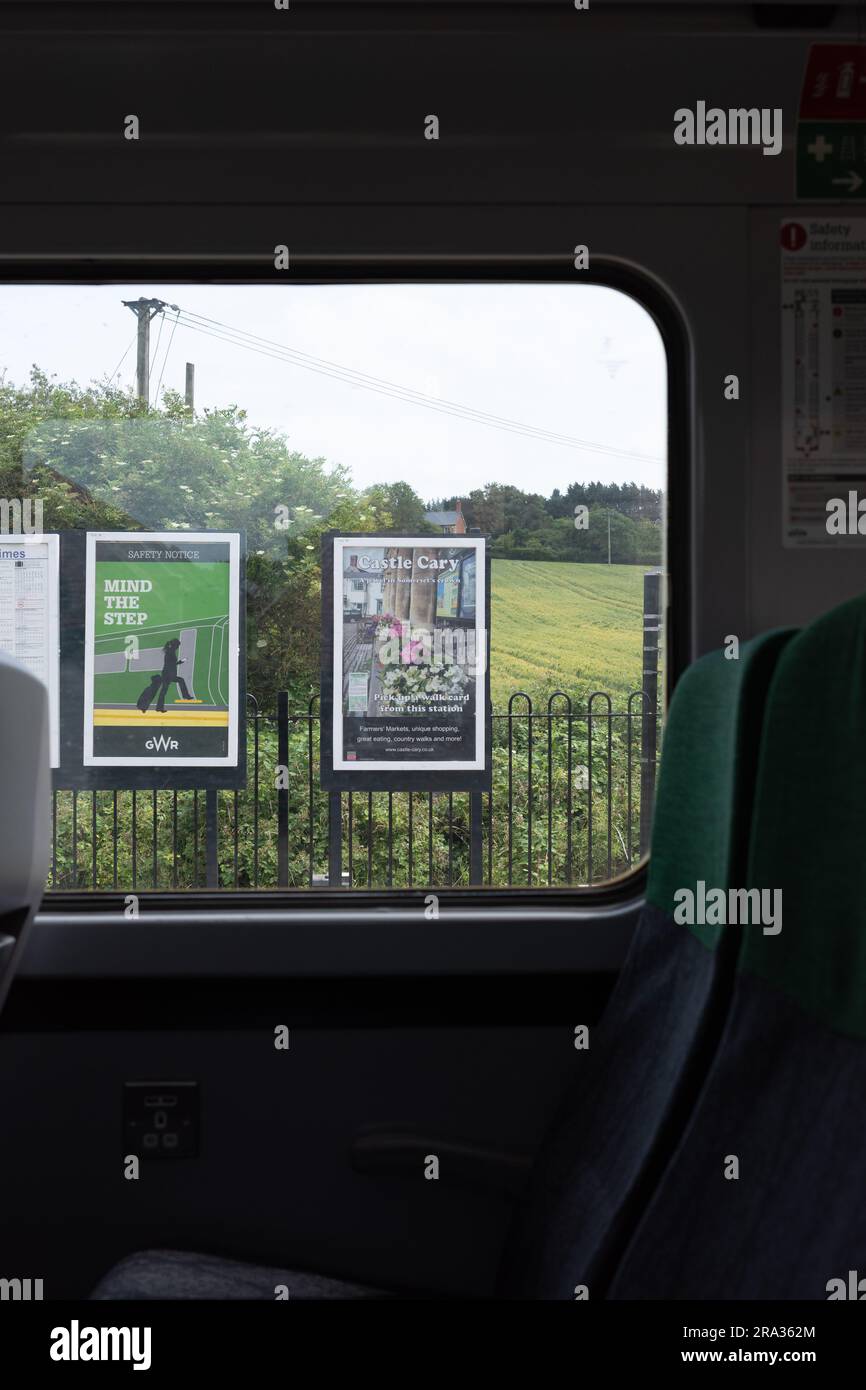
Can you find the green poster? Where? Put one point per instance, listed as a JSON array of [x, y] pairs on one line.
[[161, 653]]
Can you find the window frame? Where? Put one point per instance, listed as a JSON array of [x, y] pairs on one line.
[[518, 903]]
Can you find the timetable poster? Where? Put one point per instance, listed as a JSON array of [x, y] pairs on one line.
[[161, 649], [408, 652], [29, 609]]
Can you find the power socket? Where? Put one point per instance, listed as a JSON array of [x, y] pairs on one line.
[[161, 1118]]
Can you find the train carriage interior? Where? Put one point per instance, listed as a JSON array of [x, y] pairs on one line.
[[432, 663]]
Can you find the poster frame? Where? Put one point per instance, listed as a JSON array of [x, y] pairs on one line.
[[419, 776], [73, 773]]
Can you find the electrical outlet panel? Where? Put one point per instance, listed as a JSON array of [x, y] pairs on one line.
[[161, 1118]]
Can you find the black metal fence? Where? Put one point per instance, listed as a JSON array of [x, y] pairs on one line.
[[573, 789]]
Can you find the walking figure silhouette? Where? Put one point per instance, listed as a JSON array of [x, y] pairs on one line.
[[169, 674]]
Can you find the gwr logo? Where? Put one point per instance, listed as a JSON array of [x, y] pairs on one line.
[[21, 1290], [161, 743]]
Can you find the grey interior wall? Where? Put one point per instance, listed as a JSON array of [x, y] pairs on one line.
[[273, 1181]]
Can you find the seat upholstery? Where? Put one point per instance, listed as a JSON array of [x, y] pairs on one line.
[[633, 1086], [784, 1096], [171, 1274]]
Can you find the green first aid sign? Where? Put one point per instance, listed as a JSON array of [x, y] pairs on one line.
[[831, 160]]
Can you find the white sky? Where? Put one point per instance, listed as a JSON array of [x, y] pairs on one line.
[[543, 354]]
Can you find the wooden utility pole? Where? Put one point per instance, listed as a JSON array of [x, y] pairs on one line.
[[144, 310], [190, 385]]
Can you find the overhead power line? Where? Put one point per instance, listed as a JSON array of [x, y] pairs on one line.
[[266, 347], [165, 358], [152, 363], [122, 360]]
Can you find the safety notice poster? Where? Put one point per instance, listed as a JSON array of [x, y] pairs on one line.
[[29, 622], [405, 692], [161, 649], [824, 382]]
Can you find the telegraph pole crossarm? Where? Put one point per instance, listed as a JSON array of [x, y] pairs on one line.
[[144, 310]]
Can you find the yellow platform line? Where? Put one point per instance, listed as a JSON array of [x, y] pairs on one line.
[[121, 719]]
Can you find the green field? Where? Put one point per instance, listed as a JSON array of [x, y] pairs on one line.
[[574, 627], [184, 596]]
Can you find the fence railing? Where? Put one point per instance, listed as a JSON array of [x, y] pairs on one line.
[[573, 789]]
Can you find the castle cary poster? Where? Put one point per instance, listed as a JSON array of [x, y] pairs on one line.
[[409, 658]]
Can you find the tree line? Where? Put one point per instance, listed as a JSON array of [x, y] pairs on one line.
[[100, 459], [527, 526]]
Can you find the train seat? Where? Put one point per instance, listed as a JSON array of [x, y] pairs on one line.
[[763, 1199], [636, 1083], [183, 1274], [25, 832], [602, 1158]]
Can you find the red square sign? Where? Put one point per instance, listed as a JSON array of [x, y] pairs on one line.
[[834, 87]]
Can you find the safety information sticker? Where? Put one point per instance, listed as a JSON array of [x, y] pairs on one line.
[[824, 382]]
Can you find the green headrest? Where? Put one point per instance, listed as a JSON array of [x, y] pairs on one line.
[[808, 834], [706, 778]]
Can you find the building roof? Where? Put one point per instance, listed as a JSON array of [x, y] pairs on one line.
[[442, 518], [368, 576]]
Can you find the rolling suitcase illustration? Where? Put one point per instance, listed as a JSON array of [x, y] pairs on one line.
[[146, 698]]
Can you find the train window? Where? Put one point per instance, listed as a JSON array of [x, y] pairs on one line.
[[192, 445]]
